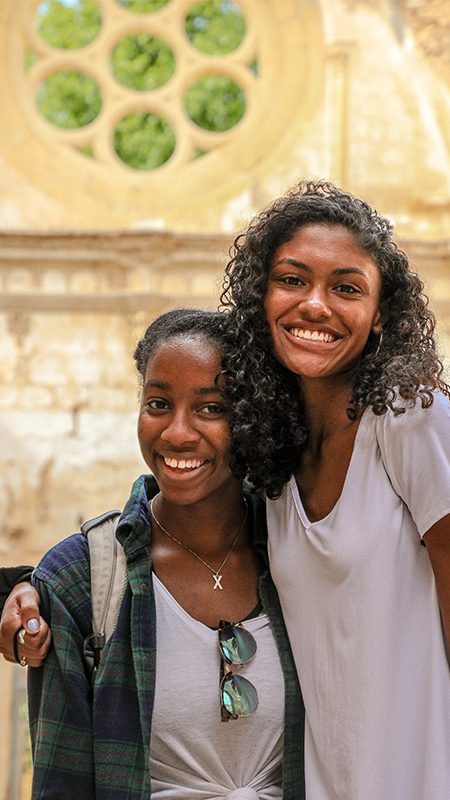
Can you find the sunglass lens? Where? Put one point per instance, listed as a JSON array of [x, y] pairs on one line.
[[239, 696], [237, 645]]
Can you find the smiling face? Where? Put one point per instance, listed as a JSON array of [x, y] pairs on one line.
[[322, 301], [182, 428]]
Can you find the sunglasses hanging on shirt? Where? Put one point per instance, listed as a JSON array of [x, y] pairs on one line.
[[238, 697]]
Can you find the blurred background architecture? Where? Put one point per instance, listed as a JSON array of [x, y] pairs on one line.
[[137, 138]]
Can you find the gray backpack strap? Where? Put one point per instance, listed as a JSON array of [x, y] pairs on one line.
[[108, 576]]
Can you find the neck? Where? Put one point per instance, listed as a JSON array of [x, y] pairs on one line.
[[209, 525], [326, 402]]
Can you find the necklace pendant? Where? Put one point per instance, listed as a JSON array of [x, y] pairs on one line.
[[217, 578]]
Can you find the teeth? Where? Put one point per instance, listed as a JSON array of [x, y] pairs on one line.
[[315, 336], [183, 463]]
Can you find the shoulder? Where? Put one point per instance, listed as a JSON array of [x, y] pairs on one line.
[[419, 438], [63, 580], [66, 561], [416, 420], [415, 451]]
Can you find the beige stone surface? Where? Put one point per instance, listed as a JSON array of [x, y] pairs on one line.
[[91, 250], [72, 307], [347, 89]]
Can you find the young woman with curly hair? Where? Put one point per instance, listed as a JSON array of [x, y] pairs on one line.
[[173, 670], [341, 416]]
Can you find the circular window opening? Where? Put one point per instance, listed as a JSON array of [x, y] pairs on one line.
[[142, 62], [144, 140], [68, 24], [69, 99], [215, 103], [216, 27], [143, 6]]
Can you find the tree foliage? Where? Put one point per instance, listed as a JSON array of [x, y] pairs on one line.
[[68, 24], [215, 102], [143, 6], [142, 62], [69, 99], [215, 27], [135, 137]]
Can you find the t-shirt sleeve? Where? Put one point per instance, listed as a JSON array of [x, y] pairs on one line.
[[415, 449]]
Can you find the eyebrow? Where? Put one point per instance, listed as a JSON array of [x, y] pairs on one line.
[[166, 387], [339, 271]]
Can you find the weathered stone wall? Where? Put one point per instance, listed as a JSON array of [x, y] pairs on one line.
[[354, 90], [71, 310]]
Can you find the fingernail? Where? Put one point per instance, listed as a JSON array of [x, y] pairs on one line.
[[33, 625]]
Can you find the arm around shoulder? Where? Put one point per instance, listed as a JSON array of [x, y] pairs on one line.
[[21, 611], [437, 541]]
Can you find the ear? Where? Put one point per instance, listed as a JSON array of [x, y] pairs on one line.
[[380, 319]]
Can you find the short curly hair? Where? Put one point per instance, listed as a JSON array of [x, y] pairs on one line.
[[268, 427], [180, 322]]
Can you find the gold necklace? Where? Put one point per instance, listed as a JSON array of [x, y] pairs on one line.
[[217, 577]]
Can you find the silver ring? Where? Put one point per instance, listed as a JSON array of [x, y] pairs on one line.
[[23, 662], [21, 636]]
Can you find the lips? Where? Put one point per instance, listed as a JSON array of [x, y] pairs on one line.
[[313, 334], [183, 463], [186, 465]]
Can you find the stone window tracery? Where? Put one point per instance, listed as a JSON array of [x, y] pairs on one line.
[[268, 62], [157, 82]]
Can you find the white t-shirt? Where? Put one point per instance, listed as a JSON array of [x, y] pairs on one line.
[[192, 753], [361, 610]]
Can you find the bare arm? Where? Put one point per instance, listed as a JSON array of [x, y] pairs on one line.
[[21, 610], [437, 541]]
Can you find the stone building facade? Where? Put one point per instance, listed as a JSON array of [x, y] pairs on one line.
[[91, 249]]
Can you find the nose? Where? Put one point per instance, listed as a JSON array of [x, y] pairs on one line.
[[180, 430], [314, 305]]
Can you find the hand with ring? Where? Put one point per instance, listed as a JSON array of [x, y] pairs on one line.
[[24, 635], [19, 636]]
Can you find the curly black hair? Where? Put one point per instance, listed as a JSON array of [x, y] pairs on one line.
[[268, 420], [180, 322]]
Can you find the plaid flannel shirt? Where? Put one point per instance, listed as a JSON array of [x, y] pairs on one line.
[[96, 745]]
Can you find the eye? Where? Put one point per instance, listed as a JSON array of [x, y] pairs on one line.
[[291, 280], [213, 409], [347, 288], [156, 404]]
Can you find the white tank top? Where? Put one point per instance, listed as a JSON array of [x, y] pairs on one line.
[[192, 753]]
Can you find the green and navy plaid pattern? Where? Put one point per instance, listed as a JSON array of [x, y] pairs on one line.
[[94, 745]]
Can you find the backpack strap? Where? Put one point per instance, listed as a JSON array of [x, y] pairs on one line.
[[108, 577]]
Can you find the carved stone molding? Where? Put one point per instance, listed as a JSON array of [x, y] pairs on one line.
[[109, 272]]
